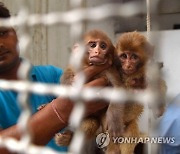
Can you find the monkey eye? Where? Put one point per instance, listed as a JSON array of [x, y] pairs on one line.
[[103, 46], [92, 44], [123, 56], [134, 56]]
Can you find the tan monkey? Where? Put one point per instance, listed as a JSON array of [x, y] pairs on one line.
[[133, 51], [100, 50]]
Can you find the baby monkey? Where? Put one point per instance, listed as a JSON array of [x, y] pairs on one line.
[[100, 51], [133, 52]]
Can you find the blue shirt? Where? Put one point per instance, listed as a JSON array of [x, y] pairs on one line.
[[170, 126], [9, 108]]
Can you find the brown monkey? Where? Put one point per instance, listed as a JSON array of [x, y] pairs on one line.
[[133, 52], [100, 50]]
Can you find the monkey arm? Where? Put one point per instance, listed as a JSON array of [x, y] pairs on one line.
[[115, 121], [163, 88], [163, 91]]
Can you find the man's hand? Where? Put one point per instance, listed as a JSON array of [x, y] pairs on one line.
[[45, 123], [65, 105]]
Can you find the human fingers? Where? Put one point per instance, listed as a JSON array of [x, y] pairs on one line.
[[95, 106], [99, 82], [93, 70]]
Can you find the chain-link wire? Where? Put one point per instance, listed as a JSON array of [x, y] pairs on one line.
[[75, 18]]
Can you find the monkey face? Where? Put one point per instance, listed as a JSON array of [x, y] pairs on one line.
[[97, 50], [130, 62], [100, 49], [133, 51]]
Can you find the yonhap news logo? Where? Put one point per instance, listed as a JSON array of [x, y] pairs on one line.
[[130, 140], [103, 140]]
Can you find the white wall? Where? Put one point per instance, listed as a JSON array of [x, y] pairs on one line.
[[169, 49], [106, 25], [50, 45]]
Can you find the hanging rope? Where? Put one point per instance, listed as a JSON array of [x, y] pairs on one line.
[[148, 26], [148, 19]]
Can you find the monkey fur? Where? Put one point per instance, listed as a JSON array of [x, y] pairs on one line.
[[133, 51], [95, 41]]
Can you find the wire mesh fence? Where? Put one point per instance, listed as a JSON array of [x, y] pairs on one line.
[[75, 18]]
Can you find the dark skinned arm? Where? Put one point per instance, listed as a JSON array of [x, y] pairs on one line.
[[45, 123]]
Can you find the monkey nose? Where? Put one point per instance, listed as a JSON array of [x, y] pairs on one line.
[[97, 52], [127, 66]]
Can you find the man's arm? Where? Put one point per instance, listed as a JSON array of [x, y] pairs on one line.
[[45, 123]]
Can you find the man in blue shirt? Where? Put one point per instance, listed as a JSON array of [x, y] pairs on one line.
[[11, 110], [51, 119]]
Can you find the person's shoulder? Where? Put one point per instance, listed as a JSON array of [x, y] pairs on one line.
[[47, 68], [47, 72]]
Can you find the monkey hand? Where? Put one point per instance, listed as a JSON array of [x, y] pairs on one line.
[[159, 111], [64, 139]]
